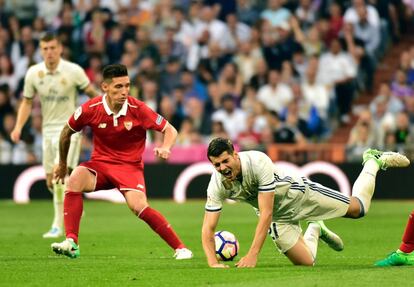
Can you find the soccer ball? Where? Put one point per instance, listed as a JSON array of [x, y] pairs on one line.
[[227, 246]]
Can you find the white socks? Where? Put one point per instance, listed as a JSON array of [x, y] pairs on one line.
[[58, 196], [311, 238], [364, 186]]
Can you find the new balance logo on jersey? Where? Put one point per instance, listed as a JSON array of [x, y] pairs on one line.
[[102, 126], [128, 125]]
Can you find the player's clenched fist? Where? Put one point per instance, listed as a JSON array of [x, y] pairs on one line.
[[162, 153]]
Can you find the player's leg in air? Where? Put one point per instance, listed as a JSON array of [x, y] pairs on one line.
[[137, 202], [405, 254]]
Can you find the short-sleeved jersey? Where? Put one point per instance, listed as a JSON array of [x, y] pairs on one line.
[[117, 138], [259, 174], [57, 91]]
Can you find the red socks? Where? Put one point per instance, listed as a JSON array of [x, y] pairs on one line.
[[72, 210], [407, 245], [161, 226]]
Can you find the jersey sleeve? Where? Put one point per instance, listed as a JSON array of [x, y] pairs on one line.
[[265, 174], [215, 195], [29, 90], [80, 118], [80, 78], [151, 120]]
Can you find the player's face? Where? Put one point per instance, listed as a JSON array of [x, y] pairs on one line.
[[50, 51], [117, 90], [227, 164]]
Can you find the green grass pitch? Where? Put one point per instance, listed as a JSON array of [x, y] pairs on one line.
[[117, 249]]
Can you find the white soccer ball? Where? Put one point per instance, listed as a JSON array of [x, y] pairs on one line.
[[227, 246]]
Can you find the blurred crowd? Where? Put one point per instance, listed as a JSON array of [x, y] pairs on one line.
[[257, 72]]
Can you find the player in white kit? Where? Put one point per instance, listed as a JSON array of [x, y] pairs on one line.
[[56, 81], [283, 200]]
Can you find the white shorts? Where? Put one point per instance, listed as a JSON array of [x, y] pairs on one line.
[[51, 152], [316, 203]]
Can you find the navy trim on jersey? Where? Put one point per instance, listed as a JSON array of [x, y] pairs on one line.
[[330, 193], [213, 210]]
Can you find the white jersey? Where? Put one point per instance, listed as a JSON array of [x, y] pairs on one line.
[[259, 174], [57, 91]]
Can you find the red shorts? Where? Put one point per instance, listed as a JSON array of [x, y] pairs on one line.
[[121, 176]]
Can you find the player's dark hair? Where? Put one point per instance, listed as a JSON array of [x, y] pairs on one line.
[[114, 71], [49, 37], [219, 145]]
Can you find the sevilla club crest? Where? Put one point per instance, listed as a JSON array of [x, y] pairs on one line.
[[128, 125]]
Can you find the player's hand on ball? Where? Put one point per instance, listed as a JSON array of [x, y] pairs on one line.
[[162, 153], [219, 265], [59, 173], [247, 262]]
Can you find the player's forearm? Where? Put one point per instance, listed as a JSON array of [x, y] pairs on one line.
[[64, 144], [91, 92], [170, 136], [207, 238], [23, 113], [262, 228]]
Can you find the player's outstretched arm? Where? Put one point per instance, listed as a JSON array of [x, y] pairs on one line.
[[170, 135], [265, 219], [207, 238], [64, 144], [22, 116]]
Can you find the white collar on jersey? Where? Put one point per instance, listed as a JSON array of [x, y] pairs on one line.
[[122, 111], [58, 69]]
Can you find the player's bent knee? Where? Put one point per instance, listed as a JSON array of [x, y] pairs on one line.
[[356, 209], [81, 180]]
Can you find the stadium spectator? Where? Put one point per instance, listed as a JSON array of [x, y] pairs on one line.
[[275, 95], [275, 13], [404, 255], [338, 70], [56, 82], [282, 200], [400, 87], [114, 164], [230, 80], [232, 117]]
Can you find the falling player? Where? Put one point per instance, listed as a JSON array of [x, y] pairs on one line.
[[282, 200]]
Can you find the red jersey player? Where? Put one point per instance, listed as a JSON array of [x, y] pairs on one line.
[[119, 123]]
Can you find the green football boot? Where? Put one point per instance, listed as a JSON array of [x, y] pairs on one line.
[[385, 159], [68, 247], [397, 258]]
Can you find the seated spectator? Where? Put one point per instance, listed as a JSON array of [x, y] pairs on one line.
[[288, 132], [400, 87], [249, 139], [275, 13], [385, 96], [359, 142], [233, 118], [404, 132], [275, 95], [230, 80], [338, 70]]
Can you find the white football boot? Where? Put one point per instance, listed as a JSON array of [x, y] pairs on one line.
[[54, 232], [183, 253]]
